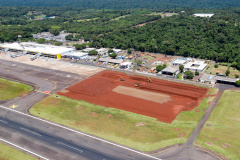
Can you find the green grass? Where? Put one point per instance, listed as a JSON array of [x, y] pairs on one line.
[[179, 76], [222, 69], [120, 127], [10, 89], [224, 121], [9, 153]]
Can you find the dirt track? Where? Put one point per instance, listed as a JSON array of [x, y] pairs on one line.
[[99, 90]]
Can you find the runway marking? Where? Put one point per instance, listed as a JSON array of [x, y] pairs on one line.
[[30, 131], [70, 146], [46, 79], [43, 92], [35, 154], [3, 121], [14, 106], [188, 147], [84, 134]]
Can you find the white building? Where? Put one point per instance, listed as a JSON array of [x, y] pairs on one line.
[[77, 55], [34, 48], [180, 61], [195, 66], [117, 50], [208, 15], [126, 65], [88, 49], [102, 51]]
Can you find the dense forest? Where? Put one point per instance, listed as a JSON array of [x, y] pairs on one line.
[[124, 4], [216, 38]]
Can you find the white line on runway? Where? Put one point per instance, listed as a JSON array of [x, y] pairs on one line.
[[23, 149], [70, 146], [132, 150], [30, 131], [3, 121]]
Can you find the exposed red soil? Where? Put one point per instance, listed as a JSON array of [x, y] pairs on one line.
[[98, 90]]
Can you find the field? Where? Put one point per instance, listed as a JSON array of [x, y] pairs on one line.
[[127, 128], [172, 97], [10, 89], [9, 153], [221, 131], [222, 69]]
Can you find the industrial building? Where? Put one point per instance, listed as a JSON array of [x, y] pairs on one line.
[[208, 15], [35, 48], [195, 66], [171, 71], [77, 55], [126, 65]]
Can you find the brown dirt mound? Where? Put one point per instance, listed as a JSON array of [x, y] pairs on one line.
[[99, 90], [209, 143], [146, 95], [226, 145], [64, 91]]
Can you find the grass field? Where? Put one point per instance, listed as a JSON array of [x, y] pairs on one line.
[[9, 153], [223, 126], [10, 89], [222, 69], [118, 125]]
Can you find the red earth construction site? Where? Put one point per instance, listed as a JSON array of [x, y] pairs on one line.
[[152, 97]]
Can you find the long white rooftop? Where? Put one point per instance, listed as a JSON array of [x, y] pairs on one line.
[[38, 48]]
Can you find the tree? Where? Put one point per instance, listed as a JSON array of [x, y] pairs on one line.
[[238, 83], [110, 51], [138, 62], [227, 72], [55, 32], [236, 76], [92, 52], [216, 66], [160, 67], [80, 46], [188, 74], [196, 73], [41, 40], [113, 55], [129, 51], [181, 67]]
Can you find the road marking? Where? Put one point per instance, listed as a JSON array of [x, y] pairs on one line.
[[84, 134], [3, 121], [43, 92], [70, 146], [30, 131], [13, 106], [35, 154]]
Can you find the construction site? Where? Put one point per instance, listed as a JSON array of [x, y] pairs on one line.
[[152, 97]]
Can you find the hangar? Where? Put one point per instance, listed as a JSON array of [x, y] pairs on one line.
[[35, 48]]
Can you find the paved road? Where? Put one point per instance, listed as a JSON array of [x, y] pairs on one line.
[[45, 139], [57, 143], [188, 151]]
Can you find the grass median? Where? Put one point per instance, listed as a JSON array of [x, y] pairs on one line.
[[130, 129], [221, 131], [10, 89], [9, 153]]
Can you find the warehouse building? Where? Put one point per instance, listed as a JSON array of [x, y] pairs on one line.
[[208, 15], [35, 48], [171, 71]]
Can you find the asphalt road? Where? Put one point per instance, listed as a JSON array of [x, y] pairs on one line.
[[45, 139], [54, 142]]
